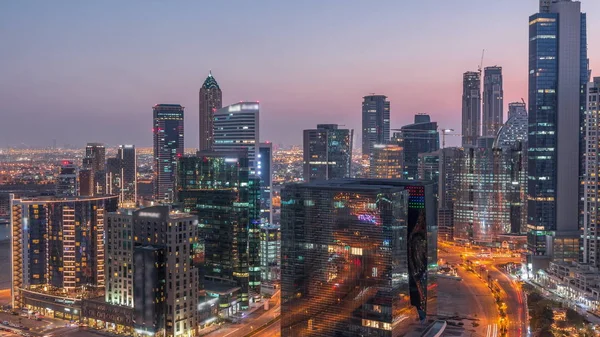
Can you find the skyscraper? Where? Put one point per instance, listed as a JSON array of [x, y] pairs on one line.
[[355, 255], [493, 101], [168, 147], [67, 183], [471, 108], [150, 264], [57, 242], [122, 175], [217, 188], [327, 152], [591, 210], [386, 162], [375, 122], [558, 74], [448, 185], [211, 100], [420, 137], [515, 128], [264, 171], [95, 161], [236, 127]]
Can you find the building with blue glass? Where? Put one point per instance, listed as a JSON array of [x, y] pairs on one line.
[[375, 122], [420, 137], [168, 147], [327, 152], [558, 74]]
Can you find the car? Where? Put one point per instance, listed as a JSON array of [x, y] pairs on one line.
[[5, 322]]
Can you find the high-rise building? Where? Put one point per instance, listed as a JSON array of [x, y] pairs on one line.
[[355, 256], [429, 169], [327, 152], [449, 168], [211, 100], [420, 137], [265, 162], [493, 101], [375, 122], [558, 74], [150, 265], [121, 174], [471, 108], [236, 127], [168, 147], [386, 162], [591, 210], [67, 183], [57, 243], [217, 188], [515, 128], [270, 253], [86, 181], [95, 161]]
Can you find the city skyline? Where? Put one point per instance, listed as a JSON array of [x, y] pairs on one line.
[[88, 72]]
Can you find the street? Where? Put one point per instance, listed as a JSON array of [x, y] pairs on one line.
[[510, 292]]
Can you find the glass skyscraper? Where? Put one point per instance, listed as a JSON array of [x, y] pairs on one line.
[[355, 257], [217, 188], [493, 101], [420, 137], [236, 127], [375, 122], [471, 108], [121, 176], [558, 74], [264, 171], [211, 100], [168, 146], [327, 152]]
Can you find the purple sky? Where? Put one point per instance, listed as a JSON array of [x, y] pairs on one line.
[[79, 71]]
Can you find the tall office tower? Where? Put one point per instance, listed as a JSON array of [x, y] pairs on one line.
[[86, 182], [121, 174], [150, 265], [449, 168], [211, 100], [558, 74], [57, 242], [168, 147], [327, 152], [355, 254], [512, 142], [375, 122], [236, 127], [95, 160], [420, 137], [429, 169], [128, 157], [218, 189], [515, 128], [591, 210], [386, 162], [471, 108], [265, 162], [493, 101], [270, 253], [67, 182]]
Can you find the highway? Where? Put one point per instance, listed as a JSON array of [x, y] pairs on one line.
[[510, 290]]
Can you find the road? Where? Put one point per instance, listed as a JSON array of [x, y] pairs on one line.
[[252, 322], [510, 290]]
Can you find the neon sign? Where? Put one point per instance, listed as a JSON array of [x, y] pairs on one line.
[[367, 218]]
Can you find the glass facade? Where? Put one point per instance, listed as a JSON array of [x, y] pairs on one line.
[[264, 164], [168, 147], [558, 74], [375, 122], [217, 188], [211, 100], [386, 162], [355, 256], [327, 152], [471, 108], [420, 137], [493, 101]]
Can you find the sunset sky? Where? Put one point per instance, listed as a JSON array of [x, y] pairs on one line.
[[90, 71]]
